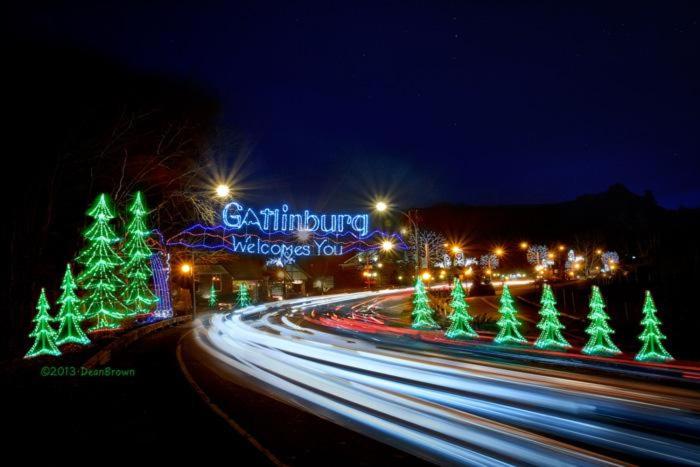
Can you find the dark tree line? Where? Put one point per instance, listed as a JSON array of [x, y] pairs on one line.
[[80, 125]]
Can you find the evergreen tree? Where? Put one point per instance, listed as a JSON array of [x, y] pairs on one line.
[[508, 324], [599, 330], [98, 278], [653, 349], [69, 331], [550, 337], [212, 295], [422, 313], [43, 334], [137, 295], [243, 296], [460, 318]]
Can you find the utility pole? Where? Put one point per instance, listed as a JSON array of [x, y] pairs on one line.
[[194, 297]]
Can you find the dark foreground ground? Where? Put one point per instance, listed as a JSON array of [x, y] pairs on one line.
[[157, 414]]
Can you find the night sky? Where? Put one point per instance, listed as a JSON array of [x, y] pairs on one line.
[[427, 101]]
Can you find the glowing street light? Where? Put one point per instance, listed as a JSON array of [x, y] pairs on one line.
[[223, 190], [498, 251], [523, 245], [426, 276], [381, 206], [185, 268], [456, 249], [387, 245]]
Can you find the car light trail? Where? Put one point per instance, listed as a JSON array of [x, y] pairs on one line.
[[467, 410]]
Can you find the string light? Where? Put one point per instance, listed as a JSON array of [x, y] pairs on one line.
[[508, 324], [161, 285], [137, 295], [99, 279], [43, 334], [269, 221], [550, 337], [610, 260], [537, 255], [69, 316], [281, 245], [243, 299], [460, 317], [212, 295], [422, 313], [599, 343], [653, 349]]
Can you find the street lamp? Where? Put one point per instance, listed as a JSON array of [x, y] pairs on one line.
[[223, 190], [499, 251], [523, 245], [382, 206], [188, 269], [387, 245]]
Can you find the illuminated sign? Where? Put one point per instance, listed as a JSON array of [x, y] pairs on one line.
[[281, 220], [283, 235]]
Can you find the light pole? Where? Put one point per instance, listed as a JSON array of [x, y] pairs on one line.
[[382, 206], [188, 269], [456, 250]]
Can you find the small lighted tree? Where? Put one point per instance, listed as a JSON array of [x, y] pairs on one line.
[[422, 313], [653, 349], [243, 296], [137, 295], [69, 316], [212, 295], [98, 278], [460, 318], [43, 334], [508, 325], [550, 335], [599, 343]]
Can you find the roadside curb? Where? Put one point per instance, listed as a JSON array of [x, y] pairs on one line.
[[105, 355]]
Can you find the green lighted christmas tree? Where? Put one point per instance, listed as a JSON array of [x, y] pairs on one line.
[[422, 313], [460, 318], [508, 325], [43, 334], [243, 299], [599, 330], [69, 331], [98, 278], [550, 337], [652, 350], [137, 295], [212, 295]]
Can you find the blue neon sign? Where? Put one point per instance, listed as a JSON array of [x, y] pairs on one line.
[[283, 236], [235, 217]]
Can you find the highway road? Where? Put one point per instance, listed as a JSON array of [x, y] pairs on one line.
[[347, 358]]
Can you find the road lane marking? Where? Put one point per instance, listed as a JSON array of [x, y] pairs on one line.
[[214, 407]]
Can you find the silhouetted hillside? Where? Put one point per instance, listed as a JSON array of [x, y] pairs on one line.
[[612, 218]]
